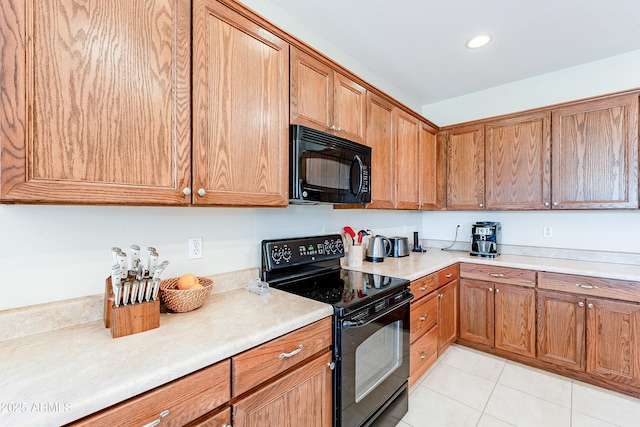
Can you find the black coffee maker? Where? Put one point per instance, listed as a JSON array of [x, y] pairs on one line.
[[485, 239]]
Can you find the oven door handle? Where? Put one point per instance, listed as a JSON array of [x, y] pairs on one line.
[[348, 324]]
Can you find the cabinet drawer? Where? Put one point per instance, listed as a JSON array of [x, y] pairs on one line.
[[424, 315], [490, 273], [448, 274], [257, 365], [220, 418], [594, 286], [186, 399], [424, 285], [424, 351]]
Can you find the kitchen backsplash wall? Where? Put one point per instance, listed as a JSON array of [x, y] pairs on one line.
[[52, 253], [610, 231]]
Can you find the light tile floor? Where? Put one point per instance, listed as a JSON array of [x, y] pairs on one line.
[[468, 388]]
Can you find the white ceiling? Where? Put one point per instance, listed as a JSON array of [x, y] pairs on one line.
[[418, 45]]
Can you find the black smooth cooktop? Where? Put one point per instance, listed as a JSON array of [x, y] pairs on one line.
[[346, 290]]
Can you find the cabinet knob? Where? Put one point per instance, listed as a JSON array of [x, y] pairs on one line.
[[590, 305], [186, 191], [339, 129], [202, 192], [333, 127], [424, 355], [580, 304], [480, 205], [555, 203], [497, 290], [546, 204], [158, 420], [440, 295], [490, 289]]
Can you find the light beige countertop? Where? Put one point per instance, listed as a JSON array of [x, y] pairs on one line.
[[417, 265], [55, 377]]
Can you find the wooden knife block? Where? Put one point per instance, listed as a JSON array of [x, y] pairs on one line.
[[129, 319]]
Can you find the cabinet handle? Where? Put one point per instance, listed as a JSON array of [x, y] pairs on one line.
[[495, 274], [590, 305], [449, 276], [293, 353], [424, 355], [158, 420], [586, 286], [490, 289], [580, 304], [186, 191], [423, 318], [202, 192], [423, 288]]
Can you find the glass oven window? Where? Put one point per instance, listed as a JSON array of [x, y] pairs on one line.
[[321, 170], [377, 358]]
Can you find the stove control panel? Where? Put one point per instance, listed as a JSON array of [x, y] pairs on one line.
[[289, 252]]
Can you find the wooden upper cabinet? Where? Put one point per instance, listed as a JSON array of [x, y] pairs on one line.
[[381, 139], [518, 162], [406, 160], [324, 99], [595, 154], [465, 168], [96, 102], [240, 115], [431, 168]]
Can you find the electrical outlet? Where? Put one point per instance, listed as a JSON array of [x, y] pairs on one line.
[[547, 231], [195, 247]]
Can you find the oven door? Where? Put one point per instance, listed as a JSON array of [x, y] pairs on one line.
[[374, 361]]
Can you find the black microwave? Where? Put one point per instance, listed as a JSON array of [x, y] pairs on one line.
[[324, 168]]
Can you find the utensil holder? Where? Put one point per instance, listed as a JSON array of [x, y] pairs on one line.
[[355, 256], [131, 318]]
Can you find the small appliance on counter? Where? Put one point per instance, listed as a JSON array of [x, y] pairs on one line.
[[485, 239], [399, 246], [378, 249]]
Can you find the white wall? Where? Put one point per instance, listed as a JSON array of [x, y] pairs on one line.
[[609, 75], [50, 253], [615, 231]]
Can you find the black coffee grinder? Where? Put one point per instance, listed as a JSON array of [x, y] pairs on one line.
[[484, 239]]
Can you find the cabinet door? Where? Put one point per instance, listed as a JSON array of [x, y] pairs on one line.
[[477, 311], [447, 315], [380, 139], [613, 340], [311, 81], [465, 168], [595, 154], [406, 160], [349, 108], [431, 179], [300, 398], [561, 323], [240, 127], [518, 162], [96, 102], [515, 319]]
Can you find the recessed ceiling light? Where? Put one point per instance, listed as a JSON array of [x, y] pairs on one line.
[[478, 41]]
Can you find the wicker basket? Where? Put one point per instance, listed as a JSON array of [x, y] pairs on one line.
[[182, 300]]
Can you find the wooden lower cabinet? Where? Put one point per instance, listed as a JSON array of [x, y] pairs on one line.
[[561, 339], [447, 315], [596, 336], [302, 397], [498, 315], [434, 318], [220, 418]]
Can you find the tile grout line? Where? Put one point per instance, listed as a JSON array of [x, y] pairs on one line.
[[495, 384]]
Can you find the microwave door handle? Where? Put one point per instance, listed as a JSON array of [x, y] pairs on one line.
[[357, 160]]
